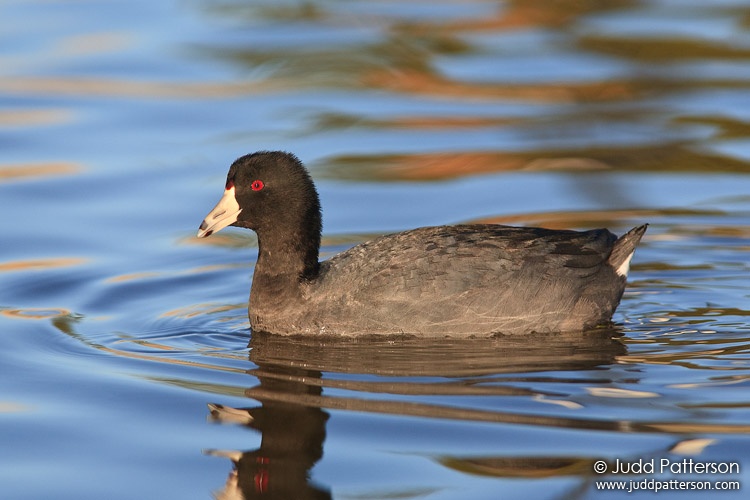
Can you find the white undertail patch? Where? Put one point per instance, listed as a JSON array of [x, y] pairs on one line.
[[625, 266]]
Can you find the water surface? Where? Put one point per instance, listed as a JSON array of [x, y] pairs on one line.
[[129, 367]]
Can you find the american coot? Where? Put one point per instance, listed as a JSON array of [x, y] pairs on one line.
[[462, 280]]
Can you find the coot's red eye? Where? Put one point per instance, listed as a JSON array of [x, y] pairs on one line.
[[257, 185]]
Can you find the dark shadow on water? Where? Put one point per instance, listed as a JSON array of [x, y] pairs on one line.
[[294, 376]]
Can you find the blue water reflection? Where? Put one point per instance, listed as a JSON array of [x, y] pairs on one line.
[[118, 121]]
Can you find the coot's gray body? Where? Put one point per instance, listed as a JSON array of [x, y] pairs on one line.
[[462, 280]]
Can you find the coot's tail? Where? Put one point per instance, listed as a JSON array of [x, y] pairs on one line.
[[624, 248]]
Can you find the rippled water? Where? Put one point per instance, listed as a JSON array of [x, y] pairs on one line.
[[128, 367]]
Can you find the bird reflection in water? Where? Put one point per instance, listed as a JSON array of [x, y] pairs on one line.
[[291, 416], [291, 442]]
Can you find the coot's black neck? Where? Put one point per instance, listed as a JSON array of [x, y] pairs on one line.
[[289, 250]]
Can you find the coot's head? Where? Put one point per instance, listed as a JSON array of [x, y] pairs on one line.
[[271, 193]]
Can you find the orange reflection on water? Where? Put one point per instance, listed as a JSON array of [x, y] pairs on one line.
[[414, 122], [145, 275], [124, 88], [132, 277], [39, 264], [34, 117], [425, 83], [200, 310], [429, 166], [34, 313], [573, 218], [438, 166], [10, 407], [23, 171]]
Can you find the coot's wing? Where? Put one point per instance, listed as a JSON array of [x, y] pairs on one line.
[[458, 275]]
